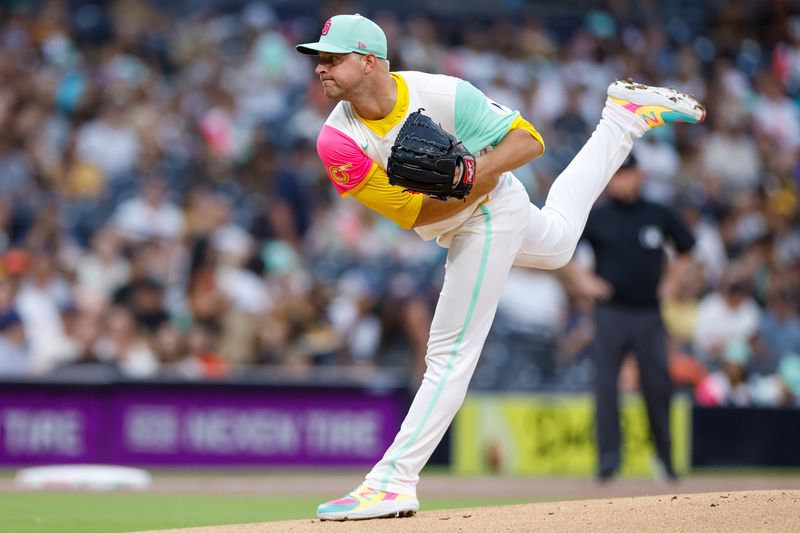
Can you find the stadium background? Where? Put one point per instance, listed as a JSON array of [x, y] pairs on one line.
[[179, 285]]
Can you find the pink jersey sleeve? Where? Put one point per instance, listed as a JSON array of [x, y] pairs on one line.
[[345, 162]]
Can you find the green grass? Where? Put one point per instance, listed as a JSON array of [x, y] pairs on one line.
[[118, 512]]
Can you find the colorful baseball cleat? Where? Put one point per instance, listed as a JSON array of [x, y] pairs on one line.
[[657, 106], [364, 503]]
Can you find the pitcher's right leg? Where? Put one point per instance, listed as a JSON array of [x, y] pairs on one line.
[[630, 111]]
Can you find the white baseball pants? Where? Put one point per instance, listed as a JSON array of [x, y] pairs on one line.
[[507, 230]]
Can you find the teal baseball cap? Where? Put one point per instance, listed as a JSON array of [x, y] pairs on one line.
[[343, 34]]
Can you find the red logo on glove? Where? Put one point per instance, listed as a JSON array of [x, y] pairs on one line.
[[326, 27], [469, 170]]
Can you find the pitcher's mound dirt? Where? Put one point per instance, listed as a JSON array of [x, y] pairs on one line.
[[747, 511]]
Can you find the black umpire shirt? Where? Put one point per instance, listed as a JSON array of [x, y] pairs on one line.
[[628, 241]]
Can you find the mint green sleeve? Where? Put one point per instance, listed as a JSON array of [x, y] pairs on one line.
[[479, 120]]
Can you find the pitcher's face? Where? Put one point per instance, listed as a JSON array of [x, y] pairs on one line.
[[340, 74]]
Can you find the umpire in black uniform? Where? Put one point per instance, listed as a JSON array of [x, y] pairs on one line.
[[628, 235]]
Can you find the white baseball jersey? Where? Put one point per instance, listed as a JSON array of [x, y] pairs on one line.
[[356, 151]]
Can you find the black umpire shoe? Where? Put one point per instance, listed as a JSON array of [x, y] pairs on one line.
[[664, 473], [604, 477]]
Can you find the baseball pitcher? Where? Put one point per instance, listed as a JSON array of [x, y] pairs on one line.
[[433, 153]]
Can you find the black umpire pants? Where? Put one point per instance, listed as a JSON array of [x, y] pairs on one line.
[[619, 330]]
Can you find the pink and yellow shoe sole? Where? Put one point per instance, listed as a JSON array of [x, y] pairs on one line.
[[657, 106]]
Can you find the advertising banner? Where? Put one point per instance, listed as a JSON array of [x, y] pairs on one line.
[[554, 435], [179, 426], [51, 426]]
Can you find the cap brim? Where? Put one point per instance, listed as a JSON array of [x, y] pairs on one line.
[[314, 49]]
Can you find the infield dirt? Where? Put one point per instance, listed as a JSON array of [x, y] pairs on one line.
[[750, 511]]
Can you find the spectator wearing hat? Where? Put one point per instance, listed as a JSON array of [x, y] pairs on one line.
[[629, 236]]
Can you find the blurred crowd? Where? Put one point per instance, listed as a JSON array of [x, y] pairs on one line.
[[163, 211]]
